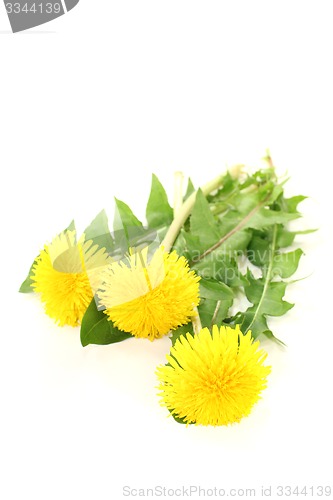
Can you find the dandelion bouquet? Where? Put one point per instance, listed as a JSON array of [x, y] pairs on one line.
[[182, 274]]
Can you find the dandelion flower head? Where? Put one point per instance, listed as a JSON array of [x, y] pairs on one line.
[[213, 378], [148, 297], [66, 274]]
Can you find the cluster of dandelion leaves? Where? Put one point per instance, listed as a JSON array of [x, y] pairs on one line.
[[236, 239], [234, 234]]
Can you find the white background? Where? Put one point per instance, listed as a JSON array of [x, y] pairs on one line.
[[90, 105]]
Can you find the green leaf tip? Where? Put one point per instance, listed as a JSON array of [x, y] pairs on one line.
[[97, 329], [26, 286], [158, 211], [98, 231]]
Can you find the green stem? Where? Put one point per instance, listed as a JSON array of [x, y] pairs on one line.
[[196, 321], [268, 278], [217, 308], [178, 204], [224, 238], [185, 211], [178, 192], [219, 208]]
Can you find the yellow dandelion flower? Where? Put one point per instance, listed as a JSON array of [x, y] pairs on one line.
[[148, 298], [66, 274], [213, 378]]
